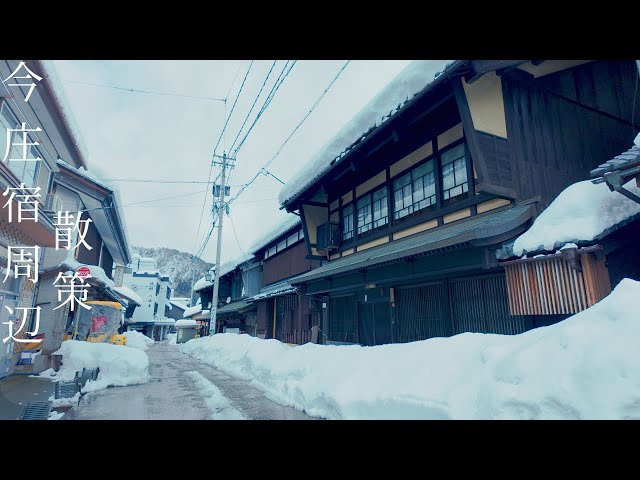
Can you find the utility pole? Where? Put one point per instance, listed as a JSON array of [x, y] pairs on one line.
[[221, 209]]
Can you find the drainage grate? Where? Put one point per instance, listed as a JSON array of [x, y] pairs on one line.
[[66, 389], [36, 411]]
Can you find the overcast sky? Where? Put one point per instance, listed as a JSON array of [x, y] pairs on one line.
[[133, 135]]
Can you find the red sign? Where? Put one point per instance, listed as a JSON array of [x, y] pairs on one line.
[[84, 272]]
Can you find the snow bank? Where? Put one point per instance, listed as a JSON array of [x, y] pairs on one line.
[[580, 213], [137, 340], [171, 337], [413, 79], [219, 405], [586, 367], [119, 365]]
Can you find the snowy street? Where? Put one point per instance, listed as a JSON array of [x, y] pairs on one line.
[[175, 392]]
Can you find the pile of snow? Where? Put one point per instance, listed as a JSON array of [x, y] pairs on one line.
[[172, 337], [137, 340], [413, 79], [586, 367], [119, 365], [580, 213], [186, 323], [219, 405]]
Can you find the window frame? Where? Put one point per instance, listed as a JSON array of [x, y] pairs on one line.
[[360, 234]]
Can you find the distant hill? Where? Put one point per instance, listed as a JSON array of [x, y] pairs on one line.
[[177, 265]]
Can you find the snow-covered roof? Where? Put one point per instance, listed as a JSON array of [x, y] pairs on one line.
[[96, 272], [274, 290], [583, 212], [181, 306], [202, 283], [225, 268], [186, 323], [98, 179], [57, 89], [127, 292], [189, 312], [275, 232], [413, 79]]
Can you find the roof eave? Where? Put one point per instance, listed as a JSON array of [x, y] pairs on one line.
[[453, 70]]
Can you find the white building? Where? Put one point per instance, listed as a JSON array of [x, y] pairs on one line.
[[143, 277]]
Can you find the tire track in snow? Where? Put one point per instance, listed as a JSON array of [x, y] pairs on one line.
[[219, 405]]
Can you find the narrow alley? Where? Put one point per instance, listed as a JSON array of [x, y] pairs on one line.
[[181, 388]]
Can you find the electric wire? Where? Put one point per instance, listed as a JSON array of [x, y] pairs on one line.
[[263, 170]]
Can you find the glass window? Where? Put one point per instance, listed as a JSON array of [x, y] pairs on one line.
[[301, 234], [293, 238], [414, 191], [281, 246], [364, 214], [454, 173], [347, 222], [380, 208]]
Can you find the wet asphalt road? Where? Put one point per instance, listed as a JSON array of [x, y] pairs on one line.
[[173, 395]]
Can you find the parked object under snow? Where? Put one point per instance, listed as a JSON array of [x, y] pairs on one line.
[[581, 213], [119, 365], [586, 367]]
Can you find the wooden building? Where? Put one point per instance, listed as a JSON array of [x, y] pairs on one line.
[[282, 311], [408, 218]]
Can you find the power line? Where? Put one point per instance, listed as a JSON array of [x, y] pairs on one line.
[[144, 201], [127, 89], [233, 226], [204, 203], [264, 170], [276, 86], [254, 104]]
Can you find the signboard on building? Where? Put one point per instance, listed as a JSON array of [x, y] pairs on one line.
[[118, 275]]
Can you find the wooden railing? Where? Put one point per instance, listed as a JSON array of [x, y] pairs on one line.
[[563, 283]]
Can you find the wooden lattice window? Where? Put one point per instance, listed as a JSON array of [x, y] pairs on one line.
[[563, 283]]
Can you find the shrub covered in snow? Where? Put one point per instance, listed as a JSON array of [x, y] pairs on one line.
[[119, 365], [137, 340], [585, 367]]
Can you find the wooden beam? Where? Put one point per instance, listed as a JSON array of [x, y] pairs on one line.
[[469, 130]]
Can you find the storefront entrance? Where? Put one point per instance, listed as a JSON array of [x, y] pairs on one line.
[[374, 322]]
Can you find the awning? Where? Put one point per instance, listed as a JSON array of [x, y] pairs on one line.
[[274, 290], [235, 307], [474, 229]]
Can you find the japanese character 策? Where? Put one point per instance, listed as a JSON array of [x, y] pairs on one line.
[[69, 287]]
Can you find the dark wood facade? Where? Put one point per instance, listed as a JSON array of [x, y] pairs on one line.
[[287, 264], [528, 130], [288, 316]]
